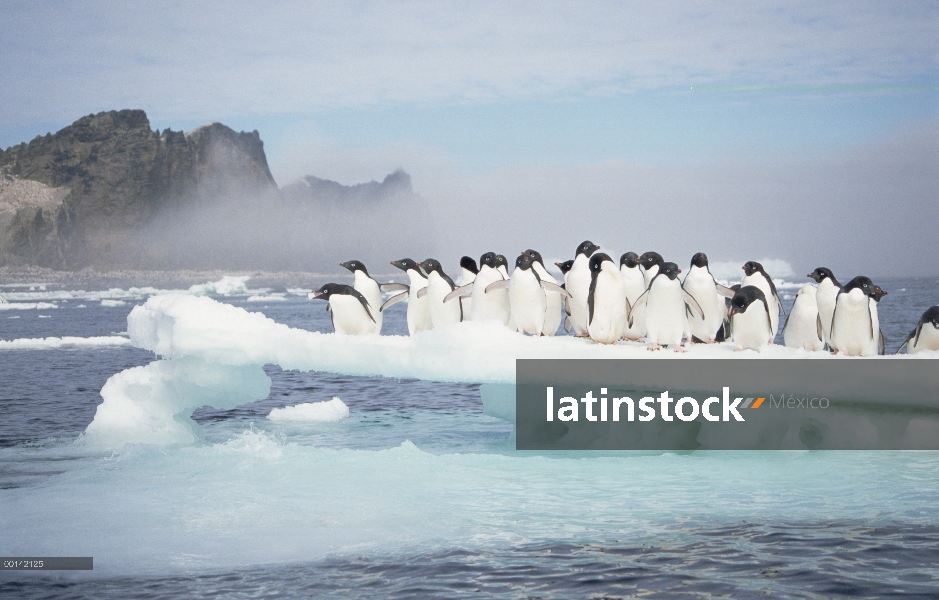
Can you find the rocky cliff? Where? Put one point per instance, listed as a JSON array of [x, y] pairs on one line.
[[82, 195]]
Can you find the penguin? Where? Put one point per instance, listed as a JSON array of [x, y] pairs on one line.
[[439, 285], [635, 283], [666, 305], [750, 318], [348, 309], [369, 288], [565, 268], [756, 276], [577, 284], [492, 306], [527, 297], [650, 262], [723, 334], [607, 305], [828, 288], [418, 314], [503, 263], [553, 311], [855, 326], [700, 284], [878, 294], [803, 329], [468, 274], [925, 336]]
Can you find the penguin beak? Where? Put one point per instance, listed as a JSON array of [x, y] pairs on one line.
[[314, 295]]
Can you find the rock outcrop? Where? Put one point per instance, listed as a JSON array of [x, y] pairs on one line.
[[81, 196]]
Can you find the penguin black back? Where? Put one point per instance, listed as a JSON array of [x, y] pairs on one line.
[[469, 264], [596, 265]]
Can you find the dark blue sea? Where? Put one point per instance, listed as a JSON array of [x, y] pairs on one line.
[[417, 493]]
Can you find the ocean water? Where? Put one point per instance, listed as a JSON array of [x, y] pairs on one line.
[[419, 494]]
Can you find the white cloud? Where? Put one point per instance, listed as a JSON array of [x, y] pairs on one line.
[[184, 60]]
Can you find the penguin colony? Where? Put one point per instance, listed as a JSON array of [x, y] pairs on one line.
[[641, 299]]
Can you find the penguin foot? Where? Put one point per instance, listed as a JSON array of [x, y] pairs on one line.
[[680, 348], [582, 335], [712, 341], [739, 349], [653, 347]]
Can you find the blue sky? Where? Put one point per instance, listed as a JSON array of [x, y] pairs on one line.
[[484, 102]]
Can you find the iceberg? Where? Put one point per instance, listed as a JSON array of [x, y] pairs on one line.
[[226, 286], [63, 343], [331, 410]]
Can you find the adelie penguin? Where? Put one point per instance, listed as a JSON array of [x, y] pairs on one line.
[[369, 288], [926, 334], [553, 312], [439, 285], [665, 305], [348, 309], [527, 295], [577, 284], [635, 283], [755, 275], [468, 272], [650, 262], [607, 306], [486, 306], [803, 328], [418, 312], [700, 284], [565, 268], [750, 318], [855, 326], [828, 289]]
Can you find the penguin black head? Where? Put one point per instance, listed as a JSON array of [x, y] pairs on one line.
[[430, 265], [700, 260], [469, 264], [488, 260], [406, 264], [535, 256], [879, 293], [751, 266], [630, 259], [565, 266], [864, 284], [502, 261], [586, 248], [524, 261], [821, 273], [354, 265], [670, 270], [744, 297], [597, 260], [650, 259], [328, 290], [931, 316]]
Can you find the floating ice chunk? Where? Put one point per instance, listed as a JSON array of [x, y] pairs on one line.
[[331, 410], [732, 270], [60, 343], [267, 298], [226, 286], [27, 306], [113, 303]]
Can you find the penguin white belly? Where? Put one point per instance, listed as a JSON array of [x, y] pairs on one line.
[[349, 316], [825, 301], [758, 281], [609, 308], [928, 339], [578, 286], [635, 286], [368, 287], [852, 332], [750, 329], [492, 306], [665, 313], [441, 313], [801, 330], [700, 285], [418, 311], [527, 298], [552, 315]]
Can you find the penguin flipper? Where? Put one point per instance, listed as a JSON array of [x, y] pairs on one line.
[[724, 291], [497, 285], [393, 287], [567, 323], [393, 300], [553, 287], [422, 292], [906, 342], [640, 301], [818, 327], [881, 347], [692, 304], [463, 290]]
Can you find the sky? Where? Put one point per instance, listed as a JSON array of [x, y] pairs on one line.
[[801, 131]]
